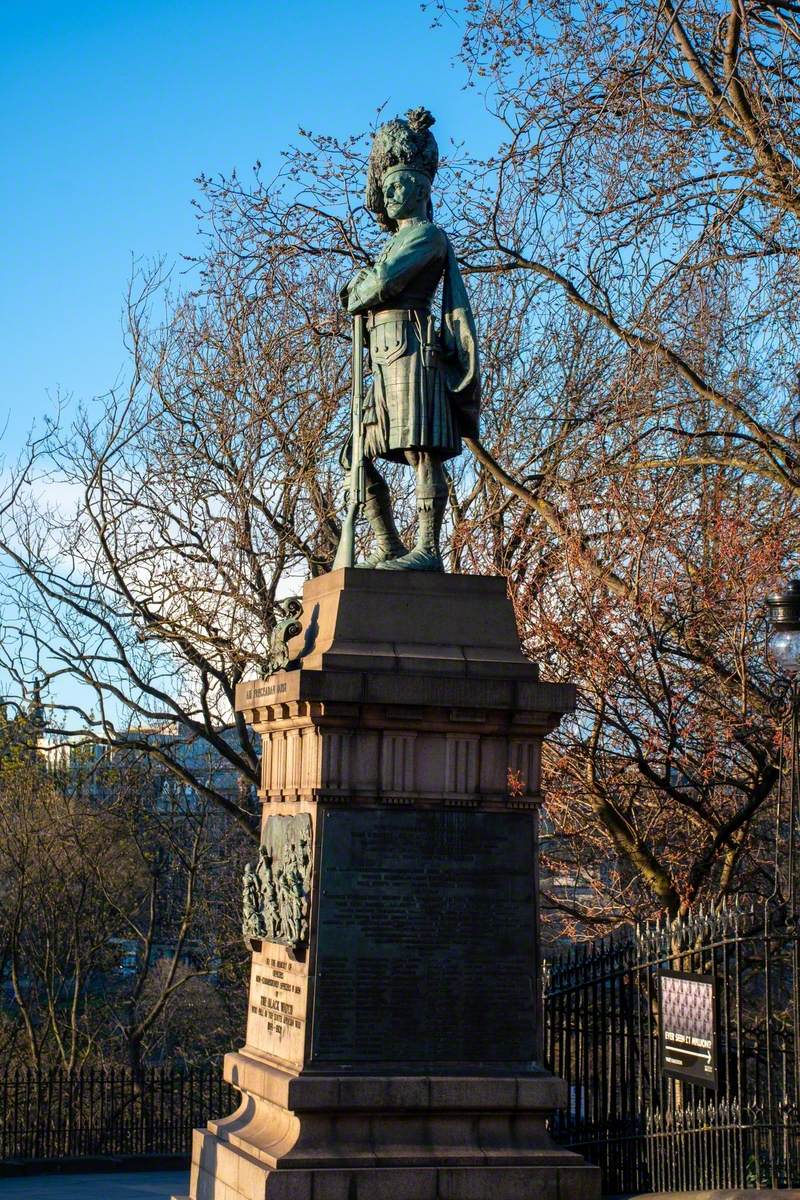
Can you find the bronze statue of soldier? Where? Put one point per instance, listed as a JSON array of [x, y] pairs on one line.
[[424, 394]]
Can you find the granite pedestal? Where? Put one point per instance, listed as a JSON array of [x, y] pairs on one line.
[[395, 1052]]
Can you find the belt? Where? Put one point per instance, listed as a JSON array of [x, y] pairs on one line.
[[395, 314]]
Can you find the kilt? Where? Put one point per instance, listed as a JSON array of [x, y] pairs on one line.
[[407, 406]]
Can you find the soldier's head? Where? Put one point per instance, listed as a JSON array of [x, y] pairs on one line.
[[406, 193], [402, 167]]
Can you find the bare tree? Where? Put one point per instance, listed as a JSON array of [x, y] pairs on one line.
[[196, 492], [632, 252], [648, 179], [118, 911]]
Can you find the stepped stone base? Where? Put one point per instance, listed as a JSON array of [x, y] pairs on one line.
[[481, 1183], [340, 1137]]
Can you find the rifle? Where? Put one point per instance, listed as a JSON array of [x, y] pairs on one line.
[[345, 553]]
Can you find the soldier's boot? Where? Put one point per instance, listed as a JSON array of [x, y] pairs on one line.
[[424, 556], [378, 512]]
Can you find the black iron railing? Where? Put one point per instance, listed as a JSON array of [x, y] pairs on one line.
[[652, 1132], [50, 1115]]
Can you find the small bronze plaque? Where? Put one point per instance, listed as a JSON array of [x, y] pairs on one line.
[[426, 946]]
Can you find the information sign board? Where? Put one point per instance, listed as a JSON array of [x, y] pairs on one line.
[[688, 1027]]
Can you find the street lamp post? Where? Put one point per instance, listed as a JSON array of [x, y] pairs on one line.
[[784, 645]]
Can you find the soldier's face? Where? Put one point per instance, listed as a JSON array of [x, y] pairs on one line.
[[403, 195]]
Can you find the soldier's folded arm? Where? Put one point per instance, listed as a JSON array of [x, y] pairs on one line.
[[389, 277], [346, 289]]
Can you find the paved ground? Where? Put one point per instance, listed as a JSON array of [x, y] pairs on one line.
[[140, 1185]]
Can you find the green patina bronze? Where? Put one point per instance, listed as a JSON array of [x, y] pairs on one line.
[[275, 891], [425, 393]]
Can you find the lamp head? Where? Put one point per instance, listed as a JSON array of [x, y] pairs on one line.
[[784, 617]]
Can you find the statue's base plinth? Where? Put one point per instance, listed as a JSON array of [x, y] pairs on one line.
[[372, 1137], [394, 1057]]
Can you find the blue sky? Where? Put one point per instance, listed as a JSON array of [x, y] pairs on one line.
[[109, 111]]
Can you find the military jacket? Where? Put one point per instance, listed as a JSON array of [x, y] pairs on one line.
[[406, 271], [407, 406]]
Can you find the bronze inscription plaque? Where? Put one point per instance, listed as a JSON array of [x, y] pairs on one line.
[[426, 946], [276, 1020]]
